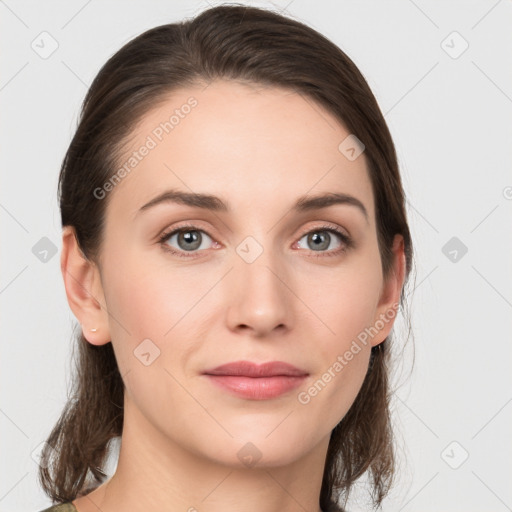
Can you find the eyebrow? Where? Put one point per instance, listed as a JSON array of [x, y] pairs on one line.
[[210, 202]]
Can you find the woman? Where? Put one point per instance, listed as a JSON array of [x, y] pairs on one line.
[[235, 248]]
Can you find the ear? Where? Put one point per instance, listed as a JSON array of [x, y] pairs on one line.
[[84, 290], [387, 307]]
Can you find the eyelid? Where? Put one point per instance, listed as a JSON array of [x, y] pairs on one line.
[[326, 226]]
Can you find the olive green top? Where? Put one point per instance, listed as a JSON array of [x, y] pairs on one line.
[[63, 507]]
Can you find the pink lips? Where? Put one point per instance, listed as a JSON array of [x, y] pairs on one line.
[[257, 382]]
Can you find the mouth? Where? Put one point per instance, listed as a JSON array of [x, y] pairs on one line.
[[257, 382], [250, 369]]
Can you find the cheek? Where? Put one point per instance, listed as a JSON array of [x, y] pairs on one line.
[[151, 299], [342, 301], [342, 351], [333, 392], [149, 311], [156, 303]]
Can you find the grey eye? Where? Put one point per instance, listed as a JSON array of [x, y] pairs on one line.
[[319, 240], [189, 239]]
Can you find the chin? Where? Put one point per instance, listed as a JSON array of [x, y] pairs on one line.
[[258, 449]]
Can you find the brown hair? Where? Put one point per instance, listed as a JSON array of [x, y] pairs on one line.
[[251, 45]]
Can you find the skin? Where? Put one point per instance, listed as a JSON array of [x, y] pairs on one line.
[[181, 434]]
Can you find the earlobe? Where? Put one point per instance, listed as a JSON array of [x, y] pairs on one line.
[[391, 292], [84, 290]]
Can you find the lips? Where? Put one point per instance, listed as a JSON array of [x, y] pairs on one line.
[[256, 382], [249, 369]]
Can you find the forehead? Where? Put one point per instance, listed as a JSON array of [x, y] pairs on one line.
[[256, 145]]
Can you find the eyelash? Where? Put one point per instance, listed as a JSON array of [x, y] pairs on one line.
[[346, 240]]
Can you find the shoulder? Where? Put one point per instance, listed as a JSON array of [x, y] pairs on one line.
[[62, 507]]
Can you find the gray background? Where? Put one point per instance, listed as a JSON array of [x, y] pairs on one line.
[[450, 113]]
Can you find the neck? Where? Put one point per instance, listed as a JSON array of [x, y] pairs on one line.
[[155, 473]]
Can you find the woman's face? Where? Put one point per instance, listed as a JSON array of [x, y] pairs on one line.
[[257, 278]]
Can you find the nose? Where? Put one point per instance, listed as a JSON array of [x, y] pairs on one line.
[[259, 297]]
